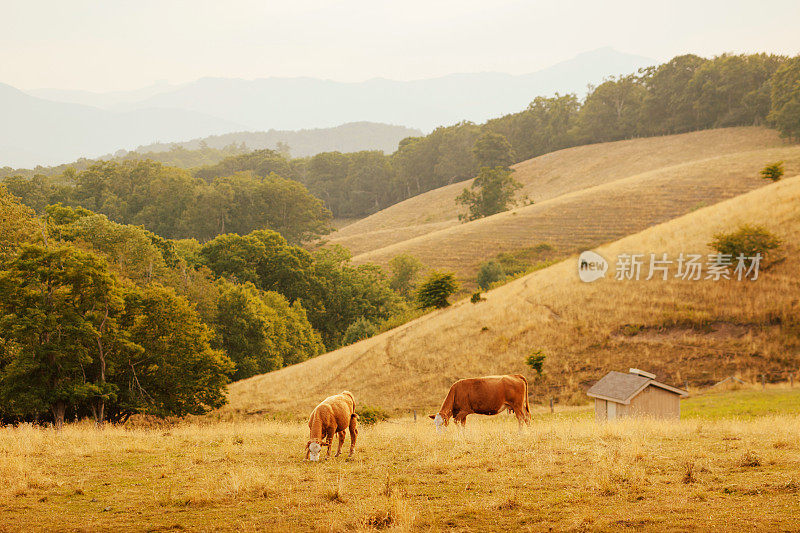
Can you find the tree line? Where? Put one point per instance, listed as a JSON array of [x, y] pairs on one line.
[[685, 94], [104, 319], [172, 203]]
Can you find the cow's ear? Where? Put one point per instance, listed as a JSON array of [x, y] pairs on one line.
[[432, 417]]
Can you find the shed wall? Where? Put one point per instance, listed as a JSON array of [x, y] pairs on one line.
[[655, 402], [600, 412]]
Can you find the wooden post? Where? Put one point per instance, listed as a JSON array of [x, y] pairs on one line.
[[791, 381], [415, 415], [687, 385], [763, 382], [551, 405]]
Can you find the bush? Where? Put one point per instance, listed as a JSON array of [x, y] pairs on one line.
[[535, 360], [400, 318], [490, 272], [477, 298], [773, 172], [436, 289], [358, 331], [747, 240], [371, 415]]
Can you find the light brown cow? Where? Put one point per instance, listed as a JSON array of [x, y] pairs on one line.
[[334, 415], [488, 395]]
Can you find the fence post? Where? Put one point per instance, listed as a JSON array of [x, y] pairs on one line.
[[687, 386], [551, 405], [415, 415], [763, 382], [791, 381]]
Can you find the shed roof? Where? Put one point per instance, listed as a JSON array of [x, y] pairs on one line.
[[621, 388]]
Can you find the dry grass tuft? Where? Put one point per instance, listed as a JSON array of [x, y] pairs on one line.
[[336, 494], [509, 504], [689, 475], [396, 515], [750, 459]]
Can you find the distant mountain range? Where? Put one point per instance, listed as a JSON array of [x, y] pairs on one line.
[[351, 137], [48, 126], [34, 131]]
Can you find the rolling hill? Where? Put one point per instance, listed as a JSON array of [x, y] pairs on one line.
[[695, 331], [584, 196]]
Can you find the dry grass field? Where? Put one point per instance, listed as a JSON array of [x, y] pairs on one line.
[[584, 196], [566, 473], [700, 331]]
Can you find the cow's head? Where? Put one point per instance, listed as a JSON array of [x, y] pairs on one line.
[[440, 421], [313, 450]]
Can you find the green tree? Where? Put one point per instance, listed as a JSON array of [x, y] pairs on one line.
[[668, 107], [60, 309], [263, 258], [493, 150], [404, 272], [535, 360], [324, 175], [177, 372], [490, 272], [346, 293], [491, 192], [436, 289], [731, 90], [747, 240], [773, 172], [785, 99], [456, 159], [260, 162], [612, 110], [17, 226], [261, 332], [244, 202], [359, 330]]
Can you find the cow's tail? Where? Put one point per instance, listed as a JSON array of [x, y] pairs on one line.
[[527, 406]]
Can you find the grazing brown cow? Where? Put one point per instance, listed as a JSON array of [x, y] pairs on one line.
[[488, 395], [334, 415]]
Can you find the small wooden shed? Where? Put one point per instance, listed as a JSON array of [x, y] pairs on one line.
[[636, 393]]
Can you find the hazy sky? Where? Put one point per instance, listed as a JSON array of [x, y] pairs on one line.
[[114, 44]]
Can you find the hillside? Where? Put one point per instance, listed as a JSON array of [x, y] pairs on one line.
[[584, 196], [699, 331]]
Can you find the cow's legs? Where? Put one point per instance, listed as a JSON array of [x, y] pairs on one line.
[[461, 419], [353, 435], [341, 441], [522, 416], [329, 440]]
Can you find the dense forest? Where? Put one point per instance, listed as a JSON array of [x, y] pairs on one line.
[[104, 319]]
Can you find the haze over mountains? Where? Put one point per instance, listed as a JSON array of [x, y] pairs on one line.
[[37, 129]]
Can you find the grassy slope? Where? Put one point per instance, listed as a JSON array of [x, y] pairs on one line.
[[585, 196], [701, 331], [564, 474]]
